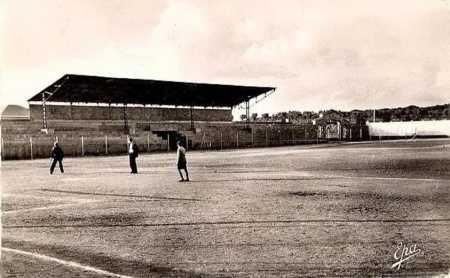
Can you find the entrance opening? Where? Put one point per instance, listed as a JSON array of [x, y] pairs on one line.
[[173, 137]]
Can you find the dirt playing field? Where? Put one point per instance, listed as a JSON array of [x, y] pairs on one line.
[[321, 210]]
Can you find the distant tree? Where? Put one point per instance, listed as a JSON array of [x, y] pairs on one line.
[[386, 117], [446, 113]]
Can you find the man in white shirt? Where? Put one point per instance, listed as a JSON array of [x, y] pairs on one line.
[[181, 162], [133, 152]]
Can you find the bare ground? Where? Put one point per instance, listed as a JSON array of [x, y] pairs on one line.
[[335, 210]]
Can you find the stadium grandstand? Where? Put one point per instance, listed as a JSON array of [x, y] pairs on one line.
[[93, 115], [165, 108], [161, 100]]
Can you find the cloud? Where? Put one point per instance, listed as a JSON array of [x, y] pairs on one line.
[[319, 54]]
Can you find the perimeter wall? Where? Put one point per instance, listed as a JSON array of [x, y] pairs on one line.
[[438, 128]]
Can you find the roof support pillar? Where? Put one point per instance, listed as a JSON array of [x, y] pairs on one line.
[[44, 112], [192, 117], [247, 110], [147, 113], [125, 119]]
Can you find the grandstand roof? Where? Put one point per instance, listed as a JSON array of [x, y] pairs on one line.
[[96, 89]]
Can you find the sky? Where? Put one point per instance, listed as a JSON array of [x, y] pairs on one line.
[[339, 54]]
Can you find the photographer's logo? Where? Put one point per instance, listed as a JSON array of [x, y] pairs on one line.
[[404, 253]]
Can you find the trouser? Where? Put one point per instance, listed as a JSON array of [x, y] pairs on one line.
[[185, 170], [52, 167], [133, 165]]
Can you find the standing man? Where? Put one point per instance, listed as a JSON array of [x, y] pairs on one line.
[[133, 152], [57, 156], [181, 161]]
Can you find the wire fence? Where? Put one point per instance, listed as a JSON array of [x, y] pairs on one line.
[[31, 147], [209, 138]]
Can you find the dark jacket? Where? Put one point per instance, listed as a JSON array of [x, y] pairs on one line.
[[57, 153], [135, 150]]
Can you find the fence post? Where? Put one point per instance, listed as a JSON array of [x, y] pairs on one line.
[[203, 141], [82, 146], [2, 148], [168, 142], [292, 136], [221, 140], [31, 148], [340, 131], [237, 139], [187, 143], [267, 139], [127, 144], [279, 137], [148, 141], [253, 139], [106, 144]]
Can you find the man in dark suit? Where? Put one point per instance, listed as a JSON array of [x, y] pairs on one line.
[[133, 152], [57, 156]]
